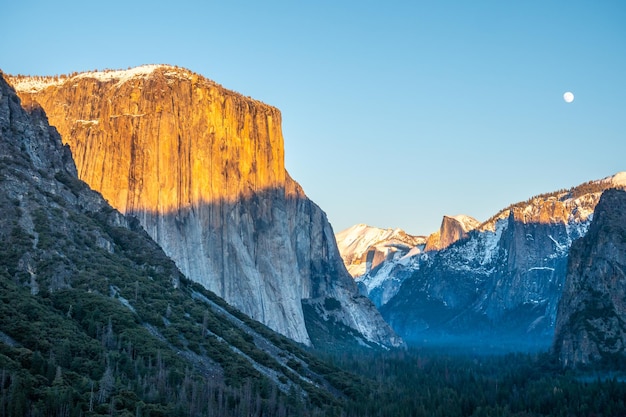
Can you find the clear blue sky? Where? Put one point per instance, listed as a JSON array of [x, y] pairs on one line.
[[394, 113]]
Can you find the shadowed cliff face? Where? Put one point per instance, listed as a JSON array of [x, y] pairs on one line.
[[591, 321], [203, 170]]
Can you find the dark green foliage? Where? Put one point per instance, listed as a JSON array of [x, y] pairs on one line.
[[422, 383], [99, 328], [331, 304], [72, 183]]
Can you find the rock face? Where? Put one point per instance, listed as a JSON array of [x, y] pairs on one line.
[[503, 282], [453, 228], [40, 191], [591, 320], [202, 168]]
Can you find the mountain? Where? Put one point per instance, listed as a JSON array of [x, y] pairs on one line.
[[501, 284], [202, 168], [364, 247], [591, 319], [95, 319], [452, 228], [368, 251], [379, 258]]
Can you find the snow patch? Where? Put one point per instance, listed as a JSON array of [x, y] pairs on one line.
[[540, 268], [355, 242], [87, 122], [121, 76], [619, 179], [35, 84]]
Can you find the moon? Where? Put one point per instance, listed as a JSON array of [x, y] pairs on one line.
[[568, 97]]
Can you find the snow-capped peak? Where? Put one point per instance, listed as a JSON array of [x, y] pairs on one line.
[[357, 241]]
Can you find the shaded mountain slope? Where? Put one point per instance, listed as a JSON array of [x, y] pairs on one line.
[[591, 320]]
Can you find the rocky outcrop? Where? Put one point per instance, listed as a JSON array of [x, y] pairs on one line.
[[503, 282], [202, 168], [591, 321], [453, 228]]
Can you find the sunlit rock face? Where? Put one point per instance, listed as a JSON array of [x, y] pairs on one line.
[[453, 228], [591, 321], [203, 169]]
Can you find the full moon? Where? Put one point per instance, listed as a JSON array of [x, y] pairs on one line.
[[568, 97]]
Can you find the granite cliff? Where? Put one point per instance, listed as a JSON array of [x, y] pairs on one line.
[[591, 320], [95, 319], [452, 228], [202, 168]]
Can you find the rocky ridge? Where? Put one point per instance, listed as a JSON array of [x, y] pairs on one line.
[[591, 319], [202, 168]]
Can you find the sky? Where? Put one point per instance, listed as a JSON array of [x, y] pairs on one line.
[[395, 113]]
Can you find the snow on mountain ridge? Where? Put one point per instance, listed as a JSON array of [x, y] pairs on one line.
[[33, 84], [467, 222], [360, 244], [578, 202], [618, 179]]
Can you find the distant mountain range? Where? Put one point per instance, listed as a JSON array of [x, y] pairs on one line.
[[497, 284]]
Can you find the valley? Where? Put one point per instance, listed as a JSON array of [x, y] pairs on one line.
[[157, 259]]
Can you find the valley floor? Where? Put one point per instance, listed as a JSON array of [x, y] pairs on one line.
[[427, 382]]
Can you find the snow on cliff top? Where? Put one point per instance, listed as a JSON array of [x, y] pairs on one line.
[[122, 75], [618, 179], [33, 84], [467, 222]]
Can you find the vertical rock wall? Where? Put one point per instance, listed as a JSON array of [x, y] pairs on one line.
[[203, 170], [591, 320]]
